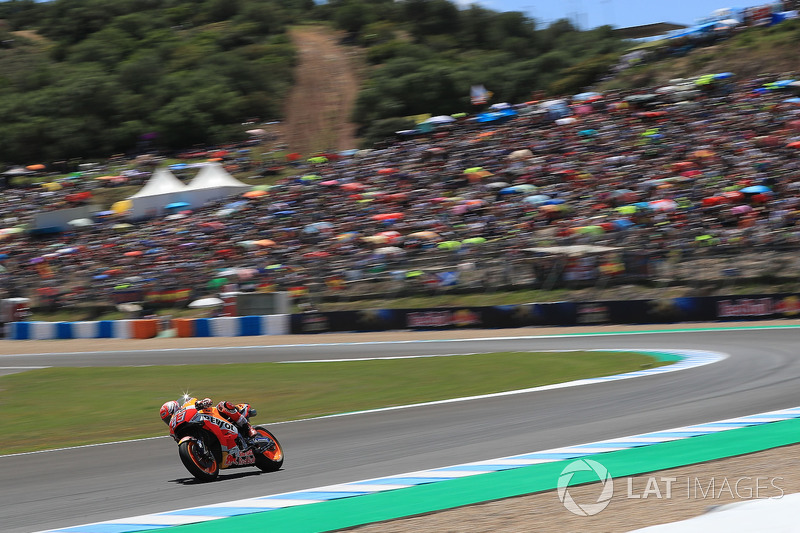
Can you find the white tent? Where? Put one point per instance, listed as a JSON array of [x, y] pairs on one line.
[[162, 189], [212, 183]]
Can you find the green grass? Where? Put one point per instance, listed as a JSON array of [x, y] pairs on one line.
[[57, 407]]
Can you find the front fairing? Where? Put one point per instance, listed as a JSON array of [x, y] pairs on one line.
[[182, 420], [191, 421]]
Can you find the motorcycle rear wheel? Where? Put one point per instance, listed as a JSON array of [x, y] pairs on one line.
[[202, 466], [269, 460]]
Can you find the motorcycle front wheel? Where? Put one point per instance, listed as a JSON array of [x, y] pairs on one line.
[[272, 459], [198, 461]]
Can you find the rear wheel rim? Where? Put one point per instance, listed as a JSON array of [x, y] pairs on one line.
[[276, 453]]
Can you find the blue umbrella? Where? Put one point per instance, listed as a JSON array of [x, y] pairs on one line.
[[178, 166], [100, 276], [508, 190], [554, 201], [285, 213], [536, 199], [755, 189], [723, 75], [580, 97], [175, 205], [792, 101], [622, 223]]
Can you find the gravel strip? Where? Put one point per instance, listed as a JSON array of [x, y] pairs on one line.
[[691, 494]]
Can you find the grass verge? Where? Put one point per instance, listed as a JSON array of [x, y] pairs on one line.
[[58, 407]]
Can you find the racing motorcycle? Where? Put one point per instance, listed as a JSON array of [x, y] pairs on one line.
[[208, 443]]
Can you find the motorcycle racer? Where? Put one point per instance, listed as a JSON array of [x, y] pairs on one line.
[[239, 414]]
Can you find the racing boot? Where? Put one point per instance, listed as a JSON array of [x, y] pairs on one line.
[[247, 432], [254, 438]]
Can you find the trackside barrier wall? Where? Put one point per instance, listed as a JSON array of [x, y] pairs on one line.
[[655, 311], [184, 327], [240, 326], [104, 329], [149, 328]]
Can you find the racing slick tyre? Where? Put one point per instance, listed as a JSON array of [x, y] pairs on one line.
[[200, 463], [271, 459]]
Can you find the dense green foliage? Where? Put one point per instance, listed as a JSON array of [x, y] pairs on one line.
[[91, 77], [102, 74], [427, 54]]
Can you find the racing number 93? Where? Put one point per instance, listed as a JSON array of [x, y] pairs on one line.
[[177, 419]]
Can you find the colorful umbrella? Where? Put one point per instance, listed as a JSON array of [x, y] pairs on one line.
[[755, 189], [449, 245]]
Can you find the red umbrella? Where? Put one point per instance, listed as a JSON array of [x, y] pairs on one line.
[[316, 255], [388, 216], [384, 171], [713, 200], [396, 197], [353, 186], [134, 253], [733, 195], [212, 225], [761, 198], [795, 144], [683, 165]]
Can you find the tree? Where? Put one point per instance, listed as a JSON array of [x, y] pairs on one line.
[[353, 16]]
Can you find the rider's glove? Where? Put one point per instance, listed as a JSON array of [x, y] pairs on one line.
[[205, 403]]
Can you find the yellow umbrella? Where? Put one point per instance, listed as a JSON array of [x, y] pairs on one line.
[[425, 235], [122, 206]]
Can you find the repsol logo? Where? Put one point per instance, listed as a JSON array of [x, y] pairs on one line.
[[221, 423]]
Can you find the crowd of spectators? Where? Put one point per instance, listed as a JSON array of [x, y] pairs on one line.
[[722, 169]]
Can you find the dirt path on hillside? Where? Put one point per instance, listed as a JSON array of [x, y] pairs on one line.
[[326, 84]]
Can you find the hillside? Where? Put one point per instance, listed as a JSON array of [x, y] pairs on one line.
[[325, 123], [754, 52]]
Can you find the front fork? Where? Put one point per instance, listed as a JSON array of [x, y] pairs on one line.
[[199, 445]]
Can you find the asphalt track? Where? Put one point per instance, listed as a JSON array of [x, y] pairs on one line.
[[75, 486]]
